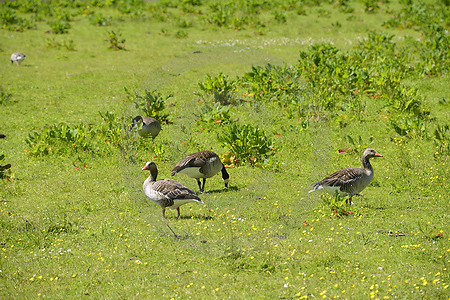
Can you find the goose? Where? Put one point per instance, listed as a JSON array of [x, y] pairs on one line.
[[150, 126], [349, 181], [167, 192], [17, 57], [203, 164]]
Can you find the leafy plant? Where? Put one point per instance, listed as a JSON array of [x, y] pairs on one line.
[[246, 143], [434, 53], [442, 141], [61, 139], [115, 40], [279, 17], [53, 43], [9, 20], [181, 34], [184, 23], [274, 83], [371, 6], [112, 132], [221, 87], [59, 26], [151, 104], [8, 16], [131, 7], [214, 116], [336, 205], [222, 14], [99, 19], [358, 145]]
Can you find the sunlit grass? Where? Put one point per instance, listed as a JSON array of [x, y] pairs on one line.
[[79, 224]]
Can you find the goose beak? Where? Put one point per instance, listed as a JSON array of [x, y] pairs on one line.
[[146, 168], [378, 155]]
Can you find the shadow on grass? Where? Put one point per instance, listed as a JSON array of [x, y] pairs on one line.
[[195, 217], [224, 190]]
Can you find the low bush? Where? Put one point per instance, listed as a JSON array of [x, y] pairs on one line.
[[246, 144], [115, 40], [150, 104], [214, 116], [221, 88]]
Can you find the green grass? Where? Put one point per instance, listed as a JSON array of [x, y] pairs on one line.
[[79, 224]]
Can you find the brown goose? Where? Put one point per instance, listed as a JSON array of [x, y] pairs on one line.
[[150, 126], [17, 57], [349, 181], [167, 192], [203, 164]]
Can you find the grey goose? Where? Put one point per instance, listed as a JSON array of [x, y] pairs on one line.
[[167, 192], [17, 57], [349, 181], [148, 126], [202, 165]]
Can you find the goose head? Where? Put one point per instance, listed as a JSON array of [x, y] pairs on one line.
[[150, 166], [135, 121], [225, 176], [369, 153]]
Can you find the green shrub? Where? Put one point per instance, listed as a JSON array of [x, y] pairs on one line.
[[246, 144], [115, 40], [9, 20], [181, 34], [112, 129], [222, 14], [61, 139], [371, 6], [221, 87], [358, 145], [8, 17], [131, 7], [214, 116], [434, 52], [442, 141], [53, 43], [99, 20], [150, 104], [336, 205], [280, 84], [59, 26], [279, 17]]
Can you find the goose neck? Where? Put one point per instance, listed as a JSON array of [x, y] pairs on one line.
[[153, 174], [366, 163]]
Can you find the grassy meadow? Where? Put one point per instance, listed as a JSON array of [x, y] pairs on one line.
[[276, 88]]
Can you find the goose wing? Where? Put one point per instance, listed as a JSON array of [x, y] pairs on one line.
[[342, 178], [194, 160], [172, 189]]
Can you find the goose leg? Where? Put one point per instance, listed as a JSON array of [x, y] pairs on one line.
[[178, 210], [349, 200], [164, 213], [199, 184], [203, 187]]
